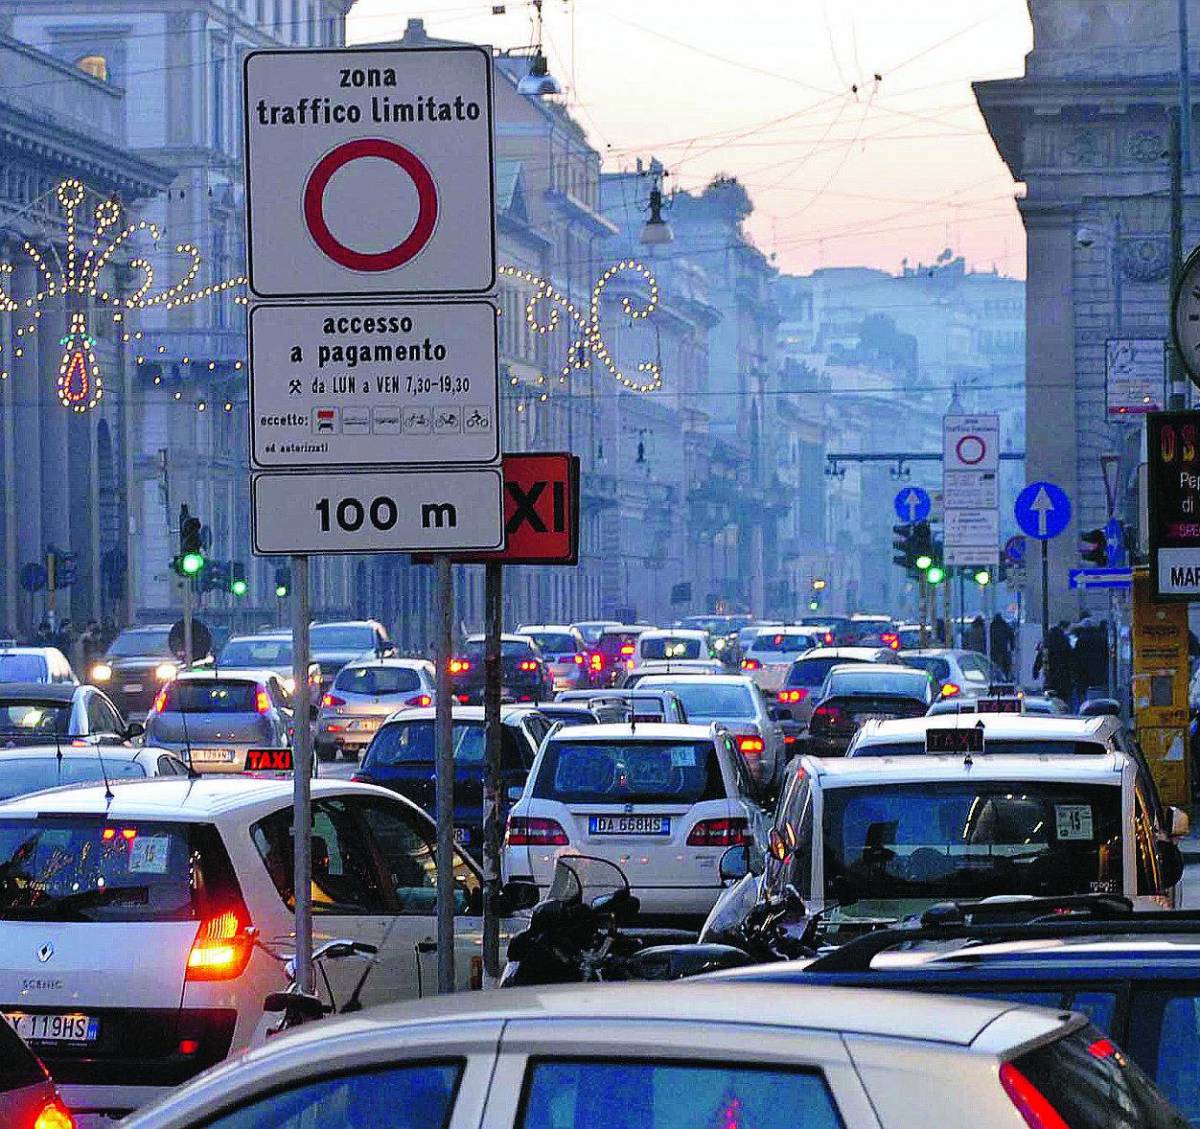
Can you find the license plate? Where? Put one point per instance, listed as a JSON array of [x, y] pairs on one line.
[[133, 688], [60, 1028], [212, 756], [462, 835], [629, 825], [862, 717], [368, 725]]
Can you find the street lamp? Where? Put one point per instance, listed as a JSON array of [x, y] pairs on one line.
[[657, 231], [539, 82]]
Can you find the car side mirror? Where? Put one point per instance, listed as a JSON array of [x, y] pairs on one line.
[[135, 729], [1181, 823], [739, 861], [1170, 863]]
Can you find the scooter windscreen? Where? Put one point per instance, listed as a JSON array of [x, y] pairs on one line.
[[581, 879]]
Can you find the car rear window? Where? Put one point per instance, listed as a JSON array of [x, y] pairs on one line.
[[968, 840], [612, 643], [270, 653], [67, 868], [715, 700], [412, 742], [509, 649], [811, 672], [1091, 1084], [377, 680], [32, 719], [554, 643], [666, 648], [22, 668], [211, 695], [939, 668], [629, 772], [876, 678], [782, 642], [332, 637], [20, 776]]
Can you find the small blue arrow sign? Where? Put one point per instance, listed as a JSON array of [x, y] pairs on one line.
[[1043, 510], [913, 504], [1114, 536], [1014, 550]]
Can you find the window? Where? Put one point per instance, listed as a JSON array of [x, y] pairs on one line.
[[211, 695], [23, 668], [591, 1094], [666, 647], [102, 718], [420, 1096], [1166, 1039], [269, 653], [216, 95], [378, 680], [95, 65], [709, 701], [627, 772]]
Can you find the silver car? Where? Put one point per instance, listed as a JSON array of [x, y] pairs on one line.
[[363, 696], [565, 652]]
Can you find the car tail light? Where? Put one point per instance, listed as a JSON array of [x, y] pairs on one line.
[[419, 700], [578, 659], [1103, 1048], [751, 664], [331, 700], [1031, 1103], [791, 697], [528, 664], [462, 699], [160, 700], [828, 716], [460, 666], [262, 701], [751, 746], [221, 949], [828, 638], [530, 831], [951, 690], [890, 639], [53, 1116], [733, 832]]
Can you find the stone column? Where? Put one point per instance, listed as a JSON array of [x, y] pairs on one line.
[[13, 611], [28, 389]]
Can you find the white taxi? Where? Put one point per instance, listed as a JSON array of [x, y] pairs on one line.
[[140, 931], [663, 802]]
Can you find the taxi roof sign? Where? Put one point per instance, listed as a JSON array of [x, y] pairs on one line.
[[965, 739]]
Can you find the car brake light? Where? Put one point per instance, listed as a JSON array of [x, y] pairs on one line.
[[790, 697], [596, 661], [460, 666], [751, 664], [462, 699], [420, 700], [627, 649], [528, 664], [733, 832], [578, 659], [950, 690], [530, 831], [262, 701], [330, 700], [828, 715], [751, 746], [160, 700], [221, 949], [53, 1116], [890, 639], [829, 638], [1031, 1103]]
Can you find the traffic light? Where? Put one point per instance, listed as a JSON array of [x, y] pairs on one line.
[[922, 546], [190, 560], [62, 567], [935, 574], [216, 577], [903, 544], [237, 579], [1093, 548], [283, 581], [983, 577]]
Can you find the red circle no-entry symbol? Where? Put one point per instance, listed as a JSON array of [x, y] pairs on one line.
[[314, 205]]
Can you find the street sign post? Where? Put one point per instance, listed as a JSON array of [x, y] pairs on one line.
[[1173, 457], [374, 385], [1043, 511], [369, 172], [970, 465], [912, 504]]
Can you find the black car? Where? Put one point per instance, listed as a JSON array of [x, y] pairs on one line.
[[39, 713], [524, 673], [1135, 975], [138, 662], [857, 692], [402, 757]]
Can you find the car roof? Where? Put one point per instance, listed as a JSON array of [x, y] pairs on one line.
[[279, 636], [198, 799], [506, 637], [344, 623], [789, 629], [78, 752], [839, 772], [404, 664], [939, 652], [562, 628], [675, 633], [864, 654], [212, 674], [30, 651], [892, 670], [642, 731], [626, 628], [999, 726], [40, 691], [461, 713], [667, 681]]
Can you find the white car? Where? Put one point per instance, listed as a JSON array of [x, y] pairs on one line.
[[772, 652], [665, 1056], [663, 802], [677, 643], [137, 930], [39, 767], [35, 664]]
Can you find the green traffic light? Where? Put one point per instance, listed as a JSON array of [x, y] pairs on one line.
[[813, 605], [935, 575], [983, 577], [924, 561], [191, 563], [281, 590], [239, 587]]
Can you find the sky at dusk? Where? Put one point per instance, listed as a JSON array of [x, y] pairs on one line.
[[763, 89]]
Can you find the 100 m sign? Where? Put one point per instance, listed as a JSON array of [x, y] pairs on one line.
[[350, 514]]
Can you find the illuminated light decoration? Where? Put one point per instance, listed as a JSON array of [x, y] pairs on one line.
[[590, 343], [79, 384]]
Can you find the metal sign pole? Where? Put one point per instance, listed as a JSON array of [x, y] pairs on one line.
[[1045, 592], [187, 621], [444, 799], [493, 784], [923, 588], [302, 753]]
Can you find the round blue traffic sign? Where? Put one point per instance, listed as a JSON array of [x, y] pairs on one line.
[[1043, 510], [913, 504]]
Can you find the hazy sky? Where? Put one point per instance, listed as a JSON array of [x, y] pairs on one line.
[[763, 89]]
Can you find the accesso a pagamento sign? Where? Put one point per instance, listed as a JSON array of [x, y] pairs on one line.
[[369, 171]]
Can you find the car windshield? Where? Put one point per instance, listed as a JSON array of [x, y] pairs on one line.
[[711, 701], [939, 668], [554, 642], [22, 668], [1023, 748], [876, 678], [619, 642], [782, 643], [591, 632], [377, 680], [629, 771], [152, 644], [21, 775], [341, 637], [62, 868], [34, 719], [971, 840], [268, 653], [670, 647], [211, 695], [509, 649]]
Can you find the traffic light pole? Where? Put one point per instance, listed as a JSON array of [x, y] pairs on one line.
[[187, 620]]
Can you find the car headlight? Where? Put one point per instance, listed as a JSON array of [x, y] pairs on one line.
[[719, 644], [164, 672], [101, 672]]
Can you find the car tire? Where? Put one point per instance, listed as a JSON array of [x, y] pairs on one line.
[[326, 753]]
